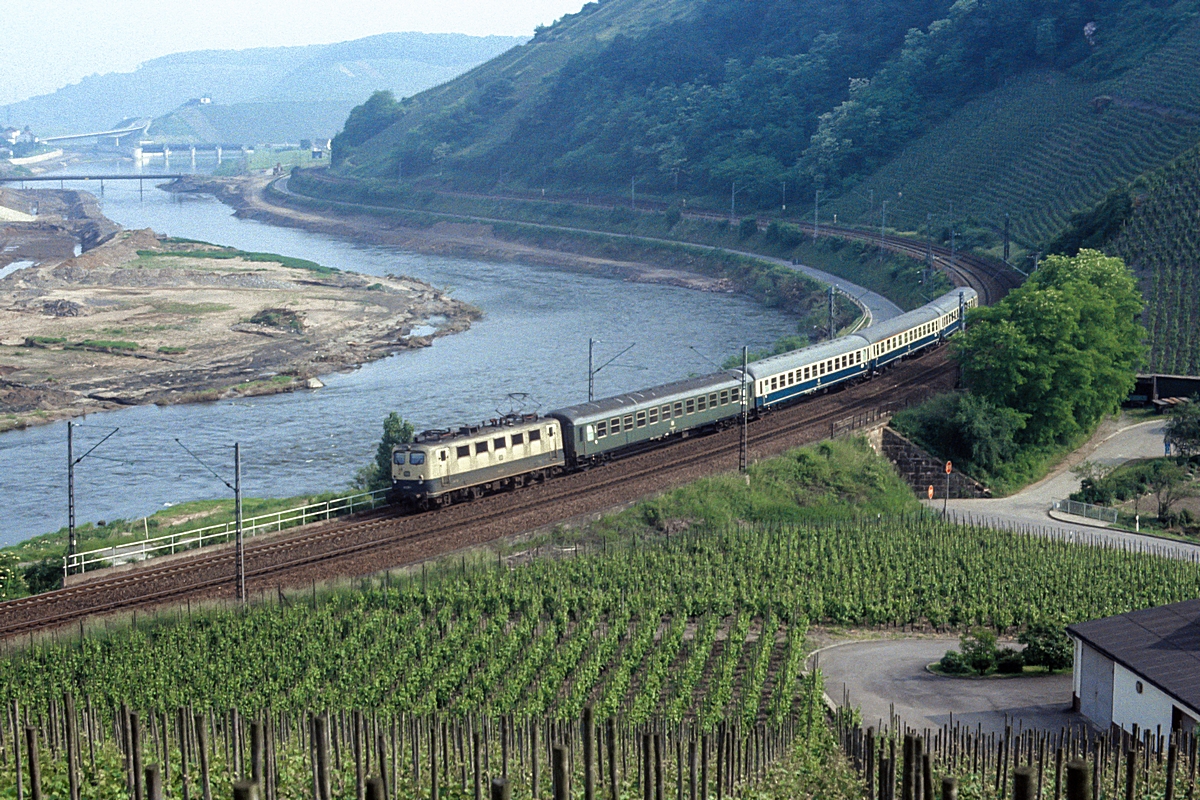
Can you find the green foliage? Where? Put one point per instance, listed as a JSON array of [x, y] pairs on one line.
[[979, 650], [44, 576], [1183, 428], [1095, 228], [11, 581], [968, 430], [372, 117], [379, 474], [109, 344], [1010, 661], [226, 253], [953, 663], [747, 228], [1047, 646], [1061, 350], [1164, 478], [172, 350]]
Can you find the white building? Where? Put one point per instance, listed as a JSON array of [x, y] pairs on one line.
[[1140, 668]]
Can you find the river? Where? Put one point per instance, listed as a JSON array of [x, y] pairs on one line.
[[533, 339]]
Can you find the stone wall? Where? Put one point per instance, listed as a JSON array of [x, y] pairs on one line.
[[920, 469]]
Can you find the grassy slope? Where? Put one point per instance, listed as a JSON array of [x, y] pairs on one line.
[[1037, 150], [528, 67]]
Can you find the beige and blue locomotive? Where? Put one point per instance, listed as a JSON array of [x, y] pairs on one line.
[[445, 466]]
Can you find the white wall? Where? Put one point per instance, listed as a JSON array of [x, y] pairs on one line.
[[1147, 709]]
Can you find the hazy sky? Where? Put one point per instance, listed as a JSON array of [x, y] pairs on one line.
[[47, 45]]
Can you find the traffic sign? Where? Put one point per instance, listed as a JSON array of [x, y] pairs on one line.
[[949, 467], [930, 492]]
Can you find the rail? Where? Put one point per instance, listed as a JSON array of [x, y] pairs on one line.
[[142, 549], [1078, 509]]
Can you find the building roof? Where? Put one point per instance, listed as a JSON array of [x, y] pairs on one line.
[[1161, 645]]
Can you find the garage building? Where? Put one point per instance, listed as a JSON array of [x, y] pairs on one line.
[[1140, 668]]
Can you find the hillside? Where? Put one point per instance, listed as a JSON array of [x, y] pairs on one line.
[[341, 74], [696, 97]]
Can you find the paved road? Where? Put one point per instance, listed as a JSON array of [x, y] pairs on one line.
[[1115, 444], [877, 307], [878, 674]]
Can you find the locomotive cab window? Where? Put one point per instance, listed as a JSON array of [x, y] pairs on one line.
[[416, 458], [398, 458], [464, 451]]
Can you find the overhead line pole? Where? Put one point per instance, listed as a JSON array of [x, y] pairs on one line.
[[72, 538], [237, 512], [742, 454]]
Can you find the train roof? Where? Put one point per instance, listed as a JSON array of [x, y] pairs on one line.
[[486, 428], [785, 362], [926, 313], [667, 393]]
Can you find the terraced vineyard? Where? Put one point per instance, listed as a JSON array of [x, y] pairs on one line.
[[1040, 150], [1161, 241], [699, 634]]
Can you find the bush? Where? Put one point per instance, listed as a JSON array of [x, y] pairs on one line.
[[747, 228], [953, 663], [1047, 646], [378, 475], [1010, 662], [44, 576], [979, 650]]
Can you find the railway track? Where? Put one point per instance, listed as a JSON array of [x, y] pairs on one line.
[[379, 540]]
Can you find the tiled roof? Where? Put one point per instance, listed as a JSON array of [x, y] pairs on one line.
[[1162, 645]]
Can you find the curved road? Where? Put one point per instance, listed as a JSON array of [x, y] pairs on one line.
[[875, 306], [1028, 509], [883, 675]]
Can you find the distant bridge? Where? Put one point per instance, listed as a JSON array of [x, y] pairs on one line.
[[117, 133], [115, 176]]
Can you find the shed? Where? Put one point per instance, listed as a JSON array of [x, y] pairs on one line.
[[1141, 668]]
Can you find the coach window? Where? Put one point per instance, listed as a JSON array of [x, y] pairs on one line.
[[535, 435], [518, 438], [641, 419], [679, 409], [700, 403], [712, 400], [464, 451], [629, 422], [691, 406], [654, 416], [774, 384], [601, 429], [614, 424], [481, 447], [666, 412], [725, 397], [734, 395]]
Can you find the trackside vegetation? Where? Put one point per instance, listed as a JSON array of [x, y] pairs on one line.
[[1042, 367]]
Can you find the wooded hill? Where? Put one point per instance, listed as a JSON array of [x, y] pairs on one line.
[[967, 110]]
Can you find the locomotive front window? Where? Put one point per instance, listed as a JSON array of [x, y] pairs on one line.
[[398, 458], [416, 458]]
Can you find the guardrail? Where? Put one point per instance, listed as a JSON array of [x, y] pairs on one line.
[[130, 552], [1078, 509]]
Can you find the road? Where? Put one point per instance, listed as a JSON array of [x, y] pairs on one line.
[[1115, 443], [884, 674]]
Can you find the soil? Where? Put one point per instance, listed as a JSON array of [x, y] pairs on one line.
[[138, 319], [248, 195]]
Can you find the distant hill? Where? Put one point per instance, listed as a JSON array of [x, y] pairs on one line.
[[332, 77], [711, 95]]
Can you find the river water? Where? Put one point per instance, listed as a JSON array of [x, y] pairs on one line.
[[533, 339]]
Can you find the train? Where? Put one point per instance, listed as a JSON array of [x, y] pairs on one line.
[[444, 466]]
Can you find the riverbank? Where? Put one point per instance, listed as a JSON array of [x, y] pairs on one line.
[[252, 199], [140, 319]]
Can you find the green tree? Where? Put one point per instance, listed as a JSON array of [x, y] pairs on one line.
[[1061, 350], [979, 649], [1183, 428], [11, 584], [365, 121], [378, 475], [1168, 483], [1047, 646]]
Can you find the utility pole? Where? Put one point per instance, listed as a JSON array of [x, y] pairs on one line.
[[816, 214], [743, 455], [732, 203], [928, 245], [237, 513], [953, 246], [1006, 222], [831, 331], [72, 539], [784, 190], [591, 371], [882, 225]]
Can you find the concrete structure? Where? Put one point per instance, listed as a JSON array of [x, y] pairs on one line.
[[1140, 668]]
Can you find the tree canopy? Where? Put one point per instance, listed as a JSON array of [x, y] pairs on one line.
[[1183, 429], [1061, 350]]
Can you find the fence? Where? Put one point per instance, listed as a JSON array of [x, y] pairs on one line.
[[222, 532], [1077, 509]]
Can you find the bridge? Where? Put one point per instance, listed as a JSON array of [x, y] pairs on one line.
[[115, 176], [141, 127]]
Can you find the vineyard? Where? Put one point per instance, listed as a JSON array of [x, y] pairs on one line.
[[1161, 241], [690, 634], [1039, 150]]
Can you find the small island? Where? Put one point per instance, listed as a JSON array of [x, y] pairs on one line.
[[140, 318]]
